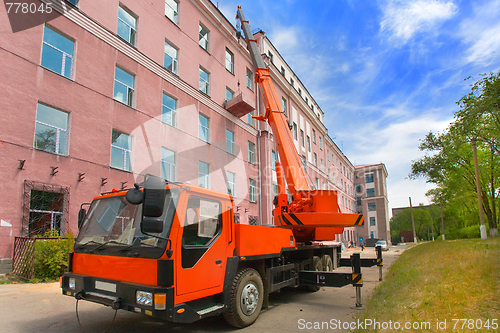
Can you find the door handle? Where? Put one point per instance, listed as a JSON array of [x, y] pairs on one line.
[[218, 262]]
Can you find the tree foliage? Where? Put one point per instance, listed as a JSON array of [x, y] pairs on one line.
[[449, 163]]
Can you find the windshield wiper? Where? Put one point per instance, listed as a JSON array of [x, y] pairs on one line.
[[89, 242], [137, 245], [108, 242]]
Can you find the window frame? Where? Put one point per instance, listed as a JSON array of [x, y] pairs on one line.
[[175, 19], [205, 37], [64, 53], [231, 185], [200, 127], [252, 190], [205, 176], [172, 111], [132, 37], [125, 150], [175, 61], [249, 79], [206, 82], [172, 167], [230, 60], [251, 153], [58, 132], [230, 142], [130, 90]]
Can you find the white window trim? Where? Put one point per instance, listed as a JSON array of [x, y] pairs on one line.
[[171, 167], [63, 62], [174, 111], [131, 28], [58, 135], [175, 19]]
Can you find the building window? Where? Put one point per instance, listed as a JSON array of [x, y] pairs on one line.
[[230, 61], [307, 100], [304, 163], [73, 2], [45, 212], [283, 105], [250, 119], [273, 160], [275, 190], [291, 82], [370, 192], [203, 35], [314, 136], [317, 183], [308, 143], [300, 92], [172, 10], [294, 131], [372, 207], [369, 178], [170, 61], [51, 130], [372, 221], [328, 154], [282, 70], [359, 188], [229, 142], [315, 160], [124, 87], [231, 187], [358, 201], [321, 143], [169, 110], [322, 166], [121, 151], [127, 26], [203, 171], [229, 94], [270, 55], [57, 52], [333, 160], [328, 173], [249, 79], [204, 81], [251, 152], [372, 234], [167, 164], [302, 140], [203, 132], [252, 190]]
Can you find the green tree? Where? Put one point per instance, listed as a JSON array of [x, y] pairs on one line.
[[448, 162]]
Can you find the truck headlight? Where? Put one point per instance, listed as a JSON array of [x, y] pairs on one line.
[[72, 283], [144, 298]]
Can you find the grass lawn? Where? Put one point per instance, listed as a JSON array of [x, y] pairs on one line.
[[448, 280]]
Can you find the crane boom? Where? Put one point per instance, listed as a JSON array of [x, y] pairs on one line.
[[313, 214]]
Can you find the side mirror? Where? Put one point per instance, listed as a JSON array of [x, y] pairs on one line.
[[134, 196], [81, 217], [154, 197], [151, 225]]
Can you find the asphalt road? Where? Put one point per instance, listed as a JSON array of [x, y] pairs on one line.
[[42, 308]]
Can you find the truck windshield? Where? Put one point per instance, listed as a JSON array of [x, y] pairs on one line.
[[112, 227]]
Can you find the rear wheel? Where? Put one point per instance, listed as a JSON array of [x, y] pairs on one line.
[[317, 265], [247, 294], [327, 263]]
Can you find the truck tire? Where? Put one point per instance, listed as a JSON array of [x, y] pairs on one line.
[[327, 263], [247, 295], [317, 265]]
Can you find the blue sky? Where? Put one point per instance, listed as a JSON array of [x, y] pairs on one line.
[[385, 73]]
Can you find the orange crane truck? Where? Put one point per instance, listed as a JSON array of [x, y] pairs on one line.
[[173, 250]]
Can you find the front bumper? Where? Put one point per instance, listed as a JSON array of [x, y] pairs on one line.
[[119, 295]]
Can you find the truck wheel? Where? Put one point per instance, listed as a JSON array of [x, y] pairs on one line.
[[247, 294], [317, 265], [327, 263]]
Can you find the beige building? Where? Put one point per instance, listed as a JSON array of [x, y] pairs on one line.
[[372, 201]]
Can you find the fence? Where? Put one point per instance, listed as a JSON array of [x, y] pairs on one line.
[[24, 256]]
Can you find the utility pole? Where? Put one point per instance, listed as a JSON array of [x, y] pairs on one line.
[[478, 189], [442, 221], [413, 223]]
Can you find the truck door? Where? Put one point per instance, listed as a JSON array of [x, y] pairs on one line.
[[203, 248]]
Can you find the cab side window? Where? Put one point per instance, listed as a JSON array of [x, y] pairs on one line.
[[202, 225]]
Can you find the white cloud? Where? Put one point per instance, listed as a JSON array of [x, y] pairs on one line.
[[482, 33], [403, 19], [396, 145]]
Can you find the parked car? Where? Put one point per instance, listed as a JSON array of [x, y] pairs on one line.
[[383, 244]]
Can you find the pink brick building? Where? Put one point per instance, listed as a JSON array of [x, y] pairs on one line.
[[111, 90]]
